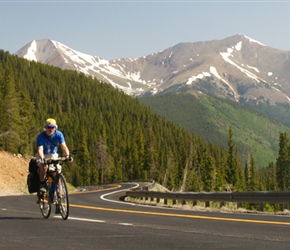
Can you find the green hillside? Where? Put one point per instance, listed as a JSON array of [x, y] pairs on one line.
[[211, 117], [279, 112]]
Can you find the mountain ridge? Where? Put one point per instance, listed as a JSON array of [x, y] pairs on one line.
[[238, 68]]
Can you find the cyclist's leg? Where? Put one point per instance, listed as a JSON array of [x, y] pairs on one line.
[[42, 168], [42, 178]]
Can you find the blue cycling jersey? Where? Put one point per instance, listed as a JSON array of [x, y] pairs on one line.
[[50, 143]]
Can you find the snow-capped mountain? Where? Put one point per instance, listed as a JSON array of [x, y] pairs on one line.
[[237, 67]]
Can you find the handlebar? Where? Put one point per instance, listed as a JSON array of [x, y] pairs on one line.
[[60, 159], [57, 160]]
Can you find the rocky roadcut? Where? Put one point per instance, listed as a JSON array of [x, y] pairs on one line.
[[13, 174]]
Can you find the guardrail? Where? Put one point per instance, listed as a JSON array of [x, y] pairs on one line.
[[278, 197]]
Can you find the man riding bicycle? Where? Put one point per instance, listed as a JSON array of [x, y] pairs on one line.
[[47, 146]]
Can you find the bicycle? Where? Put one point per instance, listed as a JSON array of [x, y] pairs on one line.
[[57, 190]]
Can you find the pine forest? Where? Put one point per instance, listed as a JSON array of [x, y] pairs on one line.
[[119, 139]]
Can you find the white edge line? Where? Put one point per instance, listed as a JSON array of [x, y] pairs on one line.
[[88, 220], [125, 224], [127, 203], [103, 196]]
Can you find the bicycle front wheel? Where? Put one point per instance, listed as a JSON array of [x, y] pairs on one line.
[[44, 204], [62, 197]]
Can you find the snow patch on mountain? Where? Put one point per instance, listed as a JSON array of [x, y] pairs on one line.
[[89, 65], [92, 63], [254, 68], [229, 54], [254, 41], [31, 52], [216, 74], [191, 79], [238, 46], [287, 97]]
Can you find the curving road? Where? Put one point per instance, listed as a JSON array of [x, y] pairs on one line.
[[96, 221]]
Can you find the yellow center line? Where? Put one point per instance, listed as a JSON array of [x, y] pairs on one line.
[[114, 186], [181, 215]]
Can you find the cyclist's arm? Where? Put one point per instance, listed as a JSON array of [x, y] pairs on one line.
[[64, 149], [40, 152]]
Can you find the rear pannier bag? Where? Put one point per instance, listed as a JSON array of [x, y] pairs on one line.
[[33, 177]]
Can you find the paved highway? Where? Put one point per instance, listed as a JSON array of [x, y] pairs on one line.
[[98, 222]]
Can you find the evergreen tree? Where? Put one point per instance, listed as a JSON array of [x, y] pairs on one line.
[[208, 175], [150, 164], [28, 127], [271, 182], [247, 176], [188, 165], [240, 180], [140, 152], [11, 131], [231, 169], [84, 163], [103, 161], [283, 164], [252, 175], [221, 159]]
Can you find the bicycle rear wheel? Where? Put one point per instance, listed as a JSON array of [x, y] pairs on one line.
[[62, 197], [44, 204]]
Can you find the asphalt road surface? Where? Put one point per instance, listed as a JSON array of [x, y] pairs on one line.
[[98, 221]]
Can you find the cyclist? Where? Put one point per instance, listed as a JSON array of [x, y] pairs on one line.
[[47, 146]]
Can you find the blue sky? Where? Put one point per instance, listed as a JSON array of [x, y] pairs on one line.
[[132, 29]]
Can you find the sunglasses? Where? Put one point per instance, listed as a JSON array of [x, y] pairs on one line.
[[50, 127]]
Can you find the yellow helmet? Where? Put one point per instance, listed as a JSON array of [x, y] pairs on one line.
[[51, 123]]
